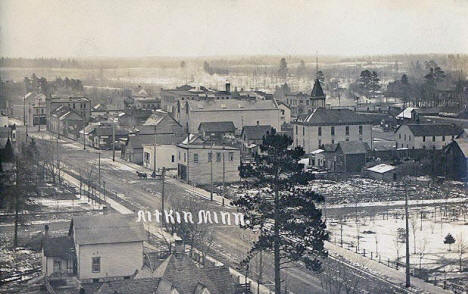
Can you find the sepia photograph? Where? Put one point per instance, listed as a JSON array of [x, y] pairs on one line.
[[233, 147]]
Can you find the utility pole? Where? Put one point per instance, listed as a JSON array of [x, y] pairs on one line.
[[163, 178], [211, 173], [224, 178], [99, 168], [104, 184], [408, 283], [84, 138], [113, 140], [16, 205], [154, 151]]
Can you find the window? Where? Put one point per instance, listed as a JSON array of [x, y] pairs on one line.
[[185, 157], [303, 131], [332, 131], [218, 156], [195, 157], [347, 130], [296, 130], [409, 137], [399, 136], [320, 131], [210, 155], [443, 138], [57, 266], [96, 264], [424, 138], [319, 143], [172, 158], [433, 138], [333, 141], [231, 156], [347, 139], [360, 130], [405, 137], [179, 156]]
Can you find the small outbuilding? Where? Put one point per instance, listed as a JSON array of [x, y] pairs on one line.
[[385, 172]]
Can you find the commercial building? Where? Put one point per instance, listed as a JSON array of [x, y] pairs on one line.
[[241, 112], [199, 161], [330, 126]]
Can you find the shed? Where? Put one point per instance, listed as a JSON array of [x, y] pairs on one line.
[[383, 171]]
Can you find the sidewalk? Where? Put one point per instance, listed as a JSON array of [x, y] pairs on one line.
[[382, 271]]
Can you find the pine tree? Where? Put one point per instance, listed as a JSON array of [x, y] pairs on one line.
[[283, 211]]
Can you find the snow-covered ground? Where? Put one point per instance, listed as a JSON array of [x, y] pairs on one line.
[[383, 236]]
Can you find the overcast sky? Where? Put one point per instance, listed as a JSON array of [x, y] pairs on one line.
[[64, 28]]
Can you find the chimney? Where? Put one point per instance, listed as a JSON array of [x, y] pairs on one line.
[[46, 231], [228, 87]]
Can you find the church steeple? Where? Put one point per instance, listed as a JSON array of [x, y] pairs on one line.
[[317, 91]]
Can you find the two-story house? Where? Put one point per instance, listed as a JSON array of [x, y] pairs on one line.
[[425, 136], [200, 161], [330, 126]]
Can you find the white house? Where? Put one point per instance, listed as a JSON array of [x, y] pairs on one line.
[[425, 136], [330, 126], [98, 238]]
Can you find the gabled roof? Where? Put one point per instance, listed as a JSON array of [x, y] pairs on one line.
[[137, 141], [406, 113], [182, 272], [433, 129], [217, 127], [317, 91], [62, 247], [462, 143], [323, 116], [107, 131], [106, 229], [256, 132], [157, 117], [353, 147], [136, 286]]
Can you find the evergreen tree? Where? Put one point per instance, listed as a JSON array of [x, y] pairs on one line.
[[283, 68], [284, 211], [449, 239]]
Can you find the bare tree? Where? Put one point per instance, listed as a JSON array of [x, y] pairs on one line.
[[414, 225], [461, 248], [421, 251]]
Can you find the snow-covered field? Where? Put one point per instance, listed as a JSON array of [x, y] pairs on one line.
[[382, 235]]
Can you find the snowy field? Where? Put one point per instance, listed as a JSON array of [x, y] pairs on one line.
[[381, 237]]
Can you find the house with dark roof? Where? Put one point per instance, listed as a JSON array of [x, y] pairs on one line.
[[347, 156], [252, 137], [455, 156], [426, 136], [58, 255], [216, 130], [66, 122], [330, 126], [187, 276], [107, 246]]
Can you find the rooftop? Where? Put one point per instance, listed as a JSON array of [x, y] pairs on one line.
[[218, 127], [231, 105], [381, 168], [256, 132], [317, 91], [434, 129], [323, 116], [62, 247], [104, 229]]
